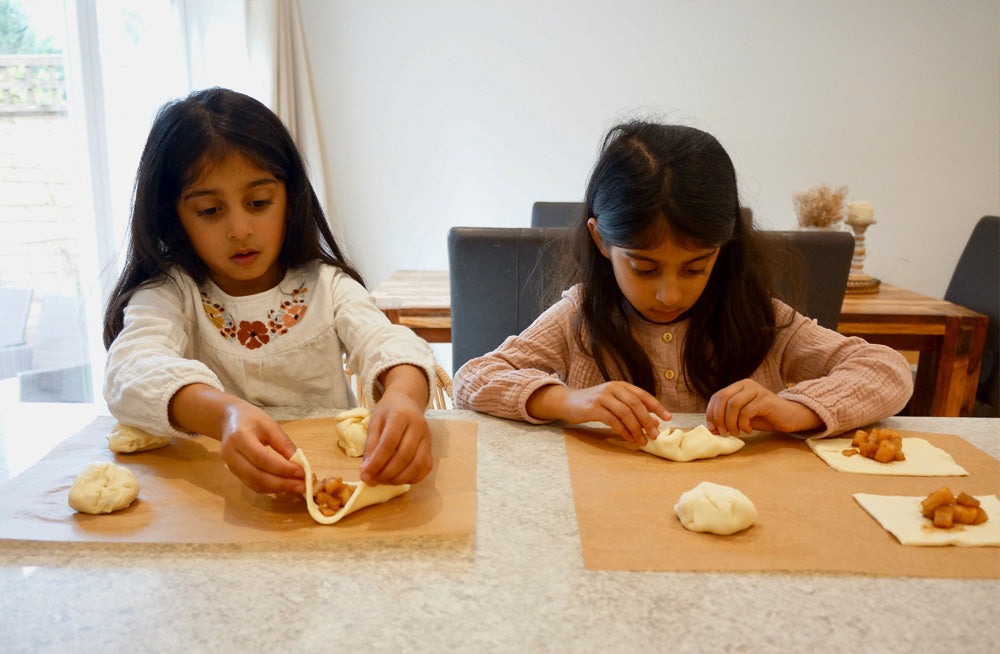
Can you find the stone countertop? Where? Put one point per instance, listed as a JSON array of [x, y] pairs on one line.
[[518, 584]]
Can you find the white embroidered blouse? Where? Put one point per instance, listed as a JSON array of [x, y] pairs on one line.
[[282, 347]]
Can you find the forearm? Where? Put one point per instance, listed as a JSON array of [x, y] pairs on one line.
[[548, 402], [409, 380], [201, 409]]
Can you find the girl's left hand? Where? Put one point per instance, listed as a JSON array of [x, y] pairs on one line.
[[746, 406], [398, 449]]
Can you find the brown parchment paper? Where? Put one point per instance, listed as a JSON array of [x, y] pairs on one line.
[[187, 495], [807, 521]]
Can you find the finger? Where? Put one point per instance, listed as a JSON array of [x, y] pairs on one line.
[[755, 413], [379, 449], [746, 415], [280, 442], [261, 481], [734, 410], [638, 419], [710, 413], [269, 461], [640, 404], [652, 405], [616, 425], [620, 415], [412, 463], [415, 471], [398, 459], [715, 413]]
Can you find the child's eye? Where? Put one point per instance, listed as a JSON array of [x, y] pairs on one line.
[[644, 272], [211, 211], [698, 271], [259, 204]]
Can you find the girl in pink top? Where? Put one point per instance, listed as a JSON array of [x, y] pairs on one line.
[[673, 308]]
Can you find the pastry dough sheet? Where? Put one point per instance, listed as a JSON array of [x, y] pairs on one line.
[[922, 459], [186, 494], [808, 519], [901, 517]]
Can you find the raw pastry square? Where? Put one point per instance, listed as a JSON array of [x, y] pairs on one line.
[[922, 459], [901, 517]]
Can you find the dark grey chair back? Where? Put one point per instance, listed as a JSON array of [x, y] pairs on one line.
[[827, 257], [975, 284], [499, 284], [555, 214]]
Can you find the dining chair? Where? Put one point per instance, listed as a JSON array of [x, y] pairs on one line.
[[562, 214], [826, 264], [555, 214], [975, 284], [499, 284], [442, 398]]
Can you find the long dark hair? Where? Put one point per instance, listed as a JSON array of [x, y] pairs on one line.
[[188, 135], [653, 181]]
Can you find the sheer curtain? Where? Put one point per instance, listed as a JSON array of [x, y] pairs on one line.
[[136, 56], [277, 54]]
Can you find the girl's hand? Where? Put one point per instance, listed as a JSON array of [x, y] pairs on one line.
[[746, 405], [257, 451], [619, 405], [398, 450], [253, 445]]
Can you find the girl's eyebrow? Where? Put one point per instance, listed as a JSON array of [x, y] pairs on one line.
[[209, 191], [639, 257]]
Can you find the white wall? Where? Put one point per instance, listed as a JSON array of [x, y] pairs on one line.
[[440, 113]]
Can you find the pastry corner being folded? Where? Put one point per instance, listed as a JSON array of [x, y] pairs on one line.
[[362, 494], [697, 443]]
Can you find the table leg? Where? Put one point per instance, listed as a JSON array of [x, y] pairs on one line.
[[957, 368]]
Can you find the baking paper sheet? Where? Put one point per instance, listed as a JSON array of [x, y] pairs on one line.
[[808, 520], [187, 495]]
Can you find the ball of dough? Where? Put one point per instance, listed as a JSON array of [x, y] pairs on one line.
[[352, 430], [125, 438], [715, 509], [103, 488]]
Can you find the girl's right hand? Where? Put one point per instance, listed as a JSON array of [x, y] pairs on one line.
[[621, 406], [257, 451]]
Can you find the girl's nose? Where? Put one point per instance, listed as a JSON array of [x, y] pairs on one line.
[[240, 226], [668, 293]]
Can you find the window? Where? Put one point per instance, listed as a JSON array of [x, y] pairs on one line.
[[80, 82]]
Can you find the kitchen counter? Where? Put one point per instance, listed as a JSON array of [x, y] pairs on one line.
[[517, 584]]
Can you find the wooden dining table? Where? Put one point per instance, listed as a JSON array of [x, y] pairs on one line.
[[949, 338], [419, 299], [520, 582]]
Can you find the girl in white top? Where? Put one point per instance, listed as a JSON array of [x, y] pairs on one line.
[[235, 295]]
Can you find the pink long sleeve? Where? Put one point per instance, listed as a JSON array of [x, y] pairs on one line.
[[848, 382]]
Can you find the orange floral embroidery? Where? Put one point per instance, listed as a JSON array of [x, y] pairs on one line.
[[253, 334]]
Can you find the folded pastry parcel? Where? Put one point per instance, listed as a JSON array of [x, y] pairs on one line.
[[697, 443], [361, 494]]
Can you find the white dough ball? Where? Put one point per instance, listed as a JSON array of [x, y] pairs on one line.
[[103, 488], [715, 509]]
